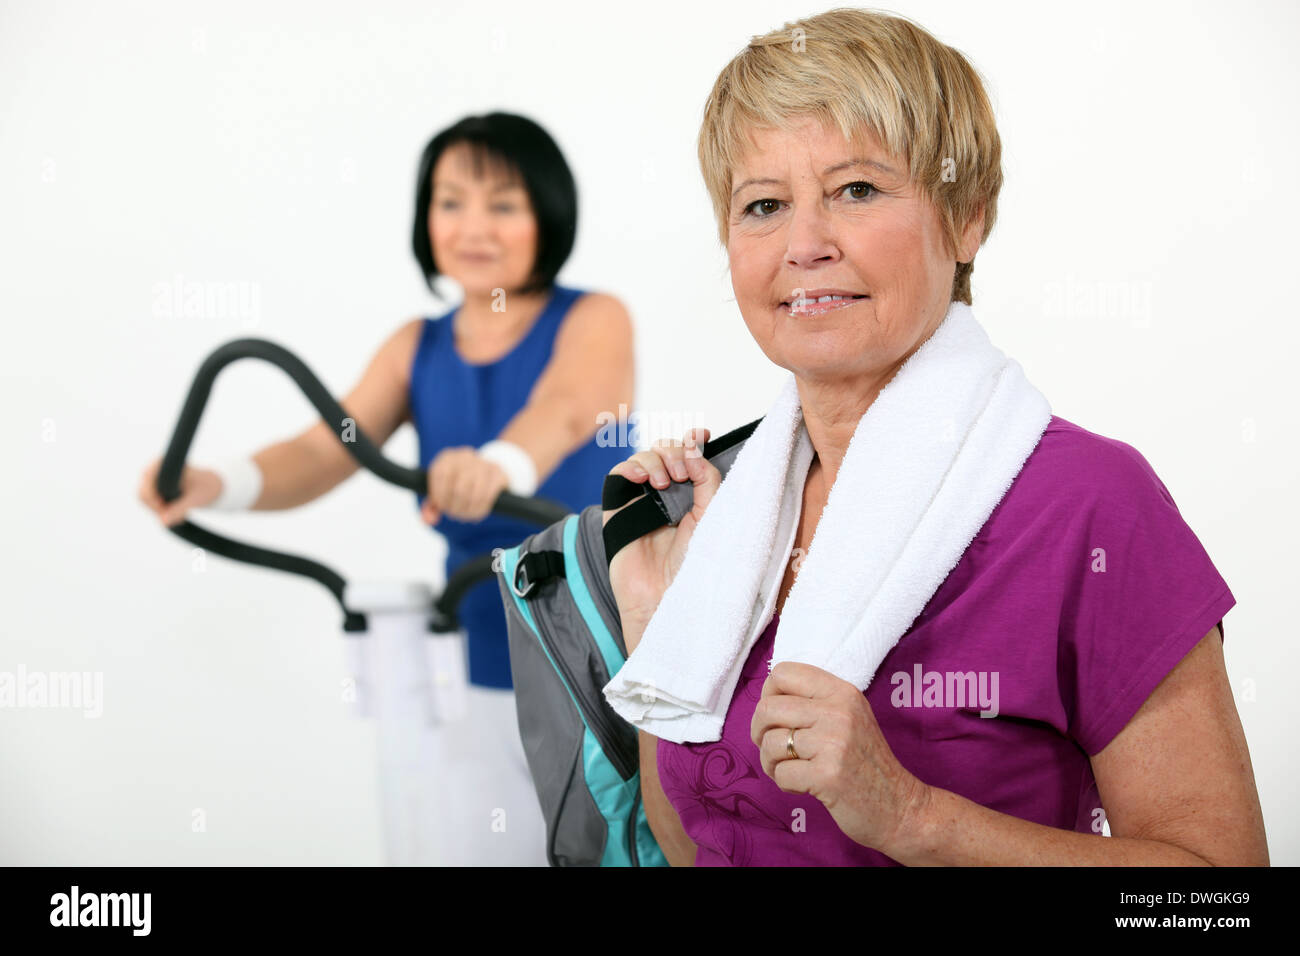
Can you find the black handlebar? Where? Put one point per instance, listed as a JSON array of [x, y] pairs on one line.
[[539, 511]]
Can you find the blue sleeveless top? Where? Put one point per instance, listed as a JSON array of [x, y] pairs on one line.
[[455, 403]]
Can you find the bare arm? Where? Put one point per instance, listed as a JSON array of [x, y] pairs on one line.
[[592, 369], [304, 468], [1176, 782], [664, 822]]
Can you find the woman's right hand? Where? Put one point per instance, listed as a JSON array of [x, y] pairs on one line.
[[641, 572], [199, 487]]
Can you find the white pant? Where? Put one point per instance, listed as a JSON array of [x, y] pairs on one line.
[[454, 782], [485, 801]]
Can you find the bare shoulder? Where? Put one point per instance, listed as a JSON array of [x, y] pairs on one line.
[[398, 351], [379, 398], [594, 301], [408, 333], [598, 314]]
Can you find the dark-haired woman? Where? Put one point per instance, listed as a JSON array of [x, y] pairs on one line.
[[506, 392]]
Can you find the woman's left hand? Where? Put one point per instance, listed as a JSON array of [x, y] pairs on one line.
[[462, 485], [844, 760]]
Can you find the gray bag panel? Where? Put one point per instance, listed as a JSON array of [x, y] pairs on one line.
[[552, 733], [551, 729]]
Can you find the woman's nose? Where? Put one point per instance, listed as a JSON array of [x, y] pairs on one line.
[[810, 237], [476, 224]]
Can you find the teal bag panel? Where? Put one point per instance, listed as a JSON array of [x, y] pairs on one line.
[[609, 649]]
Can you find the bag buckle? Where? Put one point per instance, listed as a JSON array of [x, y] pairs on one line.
[[514, 584]]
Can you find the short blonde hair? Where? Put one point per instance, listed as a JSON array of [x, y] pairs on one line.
[[864, 69]]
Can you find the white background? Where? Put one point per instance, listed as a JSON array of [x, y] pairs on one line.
[[1142, 271]]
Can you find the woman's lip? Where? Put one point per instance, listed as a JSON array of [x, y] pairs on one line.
[[820, 308]]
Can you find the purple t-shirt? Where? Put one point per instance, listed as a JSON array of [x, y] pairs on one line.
[[1081, 592]]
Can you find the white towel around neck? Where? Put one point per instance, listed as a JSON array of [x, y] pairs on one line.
[[927, 464]]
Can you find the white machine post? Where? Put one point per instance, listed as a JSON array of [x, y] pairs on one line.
[[410, 681]]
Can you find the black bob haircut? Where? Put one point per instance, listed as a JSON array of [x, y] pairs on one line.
[[520, 146]]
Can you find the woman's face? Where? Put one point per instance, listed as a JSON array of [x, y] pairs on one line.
[[818, 220], [482, 230]]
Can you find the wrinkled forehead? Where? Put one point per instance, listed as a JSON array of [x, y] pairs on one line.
[[810, 142], [770, 155]]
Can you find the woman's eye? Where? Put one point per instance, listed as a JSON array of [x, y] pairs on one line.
[[504, 208], [864, 191], [750, 209]]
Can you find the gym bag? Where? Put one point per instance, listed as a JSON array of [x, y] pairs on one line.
[[566, 642]]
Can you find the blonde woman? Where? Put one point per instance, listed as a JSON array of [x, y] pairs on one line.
[[854, 166]]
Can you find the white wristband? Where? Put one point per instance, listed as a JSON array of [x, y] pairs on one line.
[[241, 484], [516, 463]]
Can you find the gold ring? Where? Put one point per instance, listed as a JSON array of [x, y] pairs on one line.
[[789, 747]]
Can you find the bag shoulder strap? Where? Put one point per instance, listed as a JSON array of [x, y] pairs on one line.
[[656, 508]]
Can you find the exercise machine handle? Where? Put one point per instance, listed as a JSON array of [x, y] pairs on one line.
[[534, 510]]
